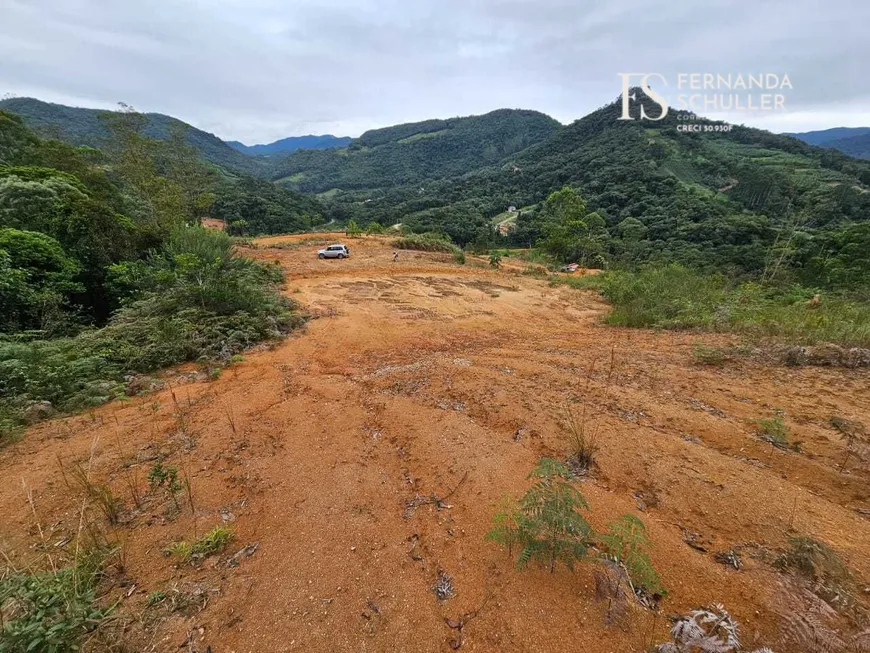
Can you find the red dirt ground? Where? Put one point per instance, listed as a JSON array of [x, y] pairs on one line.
[[414, 375]]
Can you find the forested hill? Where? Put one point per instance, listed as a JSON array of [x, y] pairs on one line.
[[291, 144], [715, 199], [854, 141], [79, 126], [417, 152]]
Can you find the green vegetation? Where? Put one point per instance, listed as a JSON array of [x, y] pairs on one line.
[[84, 127], [820, 565], [546, 525], [106, 275], [165, 477], [774, 431], [426, 242], [675, 297], [416, 152], [52, 611], [744, 202], [626, 542], [212, 542], [251, 206], [712, 356]]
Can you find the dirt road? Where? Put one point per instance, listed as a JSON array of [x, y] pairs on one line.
[[418, 378]]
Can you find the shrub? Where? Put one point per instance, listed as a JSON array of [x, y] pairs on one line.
[[675, 297], [584, 444], [160, 476], [546, 525], [822, 567], [427, 242], [196, 300], [712, 356], [353, 229], [495, 260]]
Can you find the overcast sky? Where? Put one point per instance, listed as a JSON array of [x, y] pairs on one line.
[[258, 70]]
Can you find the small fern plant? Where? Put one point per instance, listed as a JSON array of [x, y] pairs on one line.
[[506, 527], [626, 542], [709, 630], [546, 525]]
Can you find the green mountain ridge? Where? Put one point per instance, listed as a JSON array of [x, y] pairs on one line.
[[290, 144], [80, 126], [854, 141], [721, 199], [417, 152]]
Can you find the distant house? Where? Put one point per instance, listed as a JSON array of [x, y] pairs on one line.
[[512, 209]]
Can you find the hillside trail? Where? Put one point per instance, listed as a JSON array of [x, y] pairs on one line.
[[367, 453]]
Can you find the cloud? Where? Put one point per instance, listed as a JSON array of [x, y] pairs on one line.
[[258, 70]]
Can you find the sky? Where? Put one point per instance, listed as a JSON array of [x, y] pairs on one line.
[[260, 70]]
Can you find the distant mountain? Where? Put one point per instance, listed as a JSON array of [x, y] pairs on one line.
[[715, 199], [854, 141], [291, 144], [857, 146], [415, 152], [80, 126]]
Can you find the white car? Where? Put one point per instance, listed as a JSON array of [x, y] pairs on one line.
[[334, 251]]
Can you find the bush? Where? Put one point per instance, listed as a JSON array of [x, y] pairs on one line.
[[822, 567], [196, 300], [675, 297], [427, 242], [712, 356]]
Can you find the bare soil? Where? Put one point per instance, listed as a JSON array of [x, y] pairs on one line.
[[416, 378]]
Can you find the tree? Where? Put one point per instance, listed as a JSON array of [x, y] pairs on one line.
[[374, 228], [572, 235], [38, 280], [353, 229]]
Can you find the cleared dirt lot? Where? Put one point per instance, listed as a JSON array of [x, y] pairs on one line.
[[415, 375]]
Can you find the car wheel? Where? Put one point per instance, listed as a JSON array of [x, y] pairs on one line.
[[321, 256], [341, 256]]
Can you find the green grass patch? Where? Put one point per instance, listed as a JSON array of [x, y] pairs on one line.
[[212, 542]]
